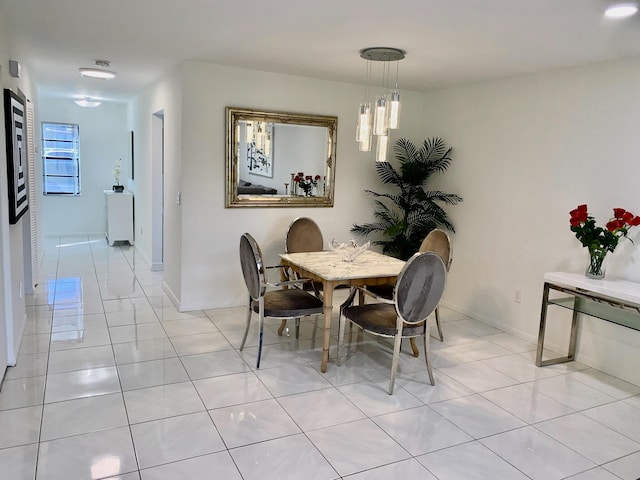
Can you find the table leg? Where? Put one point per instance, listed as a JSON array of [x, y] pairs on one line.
[[327, 293]]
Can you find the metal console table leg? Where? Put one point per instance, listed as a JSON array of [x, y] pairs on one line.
[[543, 324]]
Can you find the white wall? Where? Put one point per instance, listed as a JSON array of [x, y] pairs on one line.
[[207, 255], [527, 151], [104, 138], [12, 302], [164, 96]]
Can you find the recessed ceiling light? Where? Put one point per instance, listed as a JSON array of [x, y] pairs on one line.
[[99, 71], [87, 102], [621, 10]]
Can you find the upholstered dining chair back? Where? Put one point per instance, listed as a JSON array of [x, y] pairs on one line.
[[416, 294], [252, 266], [419, 287], [438, 241], [277, 300], [303, 235]]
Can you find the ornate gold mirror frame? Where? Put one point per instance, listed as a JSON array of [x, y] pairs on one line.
[[266, 152]]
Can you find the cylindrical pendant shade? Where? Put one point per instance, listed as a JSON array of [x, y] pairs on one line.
[[382, 147], [364, 121], [394, 110], [380, 119]]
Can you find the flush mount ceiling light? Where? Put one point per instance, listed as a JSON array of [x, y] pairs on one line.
[[99, 71], [386, 109], [87, 102], [621, 10]]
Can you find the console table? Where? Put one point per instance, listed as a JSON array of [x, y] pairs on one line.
[[615, 301], [119, 216]]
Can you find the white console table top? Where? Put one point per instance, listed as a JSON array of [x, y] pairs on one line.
[[623, 290]]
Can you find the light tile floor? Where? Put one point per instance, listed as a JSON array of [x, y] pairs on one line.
[[113, 382]]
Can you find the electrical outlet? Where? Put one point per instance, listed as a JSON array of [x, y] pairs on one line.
[[517, 296]]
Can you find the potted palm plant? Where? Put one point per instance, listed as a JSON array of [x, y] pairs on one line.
[[407, 215]]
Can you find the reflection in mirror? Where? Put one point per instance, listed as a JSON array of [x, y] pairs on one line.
[[279, 159]]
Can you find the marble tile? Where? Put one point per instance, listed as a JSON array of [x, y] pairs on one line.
[[526, 403], [595, 474], [253, 422], [81, 359], [22, 392], [200, 343], [470, 461], [188, 326], [626, 468], [131, 317], [405, 469], [477, 416], [320, 408], [132, 352], [230, 390], [612, 386], [20, 426], [356, 446], [35, 344], [198, 468], [171, 313], [173, 439], [93, 455], [571, 392], [81, 383], [151, 373], [589, 438], [162, 402], [519, 368], [32, 365], [19, 463], [421, 430], [524, 448], [136, 333], [292, 379], [511, 343], [214, 364], [373, 398], [74, 417], [272, 460], [477, 377], [418, 385], [619, 416]]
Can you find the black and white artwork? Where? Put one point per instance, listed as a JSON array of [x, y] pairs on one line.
[[14, 123], [260, 152]]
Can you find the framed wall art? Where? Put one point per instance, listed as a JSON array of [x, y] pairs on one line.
[[15, 129]]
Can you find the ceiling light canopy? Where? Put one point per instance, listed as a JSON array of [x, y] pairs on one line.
[[87, 102], [386, 108], [99, 71], [621, 10]]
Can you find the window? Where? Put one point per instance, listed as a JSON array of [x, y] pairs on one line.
[[61, 158]]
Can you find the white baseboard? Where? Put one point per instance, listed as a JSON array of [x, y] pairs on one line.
[[172, 296]]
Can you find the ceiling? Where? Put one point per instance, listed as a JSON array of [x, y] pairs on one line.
[[448, 42]]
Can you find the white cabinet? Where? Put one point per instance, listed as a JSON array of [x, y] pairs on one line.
[[119, 216]]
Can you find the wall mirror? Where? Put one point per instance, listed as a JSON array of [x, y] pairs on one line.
[[279, 159]]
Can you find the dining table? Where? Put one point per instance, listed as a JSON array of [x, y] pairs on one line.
[[332, 269]]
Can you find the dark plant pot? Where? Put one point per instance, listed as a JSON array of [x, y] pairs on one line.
[[118, 188]]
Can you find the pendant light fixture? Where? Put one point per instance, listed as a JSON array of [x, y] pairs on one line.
[[384, 114]]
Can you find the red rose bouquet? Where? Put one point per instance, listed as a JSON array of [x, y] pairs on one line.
[[306, 183], [600, 240]]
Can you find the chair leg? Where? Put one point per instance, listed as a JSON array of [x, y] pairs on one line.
[[394, 362], [246, 330], [438, 324], [297, 328], [426, 336], [341, 325], [261, 330], [414, 347], [283, 325]]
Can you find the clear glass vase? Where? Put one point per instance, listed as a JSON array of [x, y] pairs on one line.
[[595, 268]]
